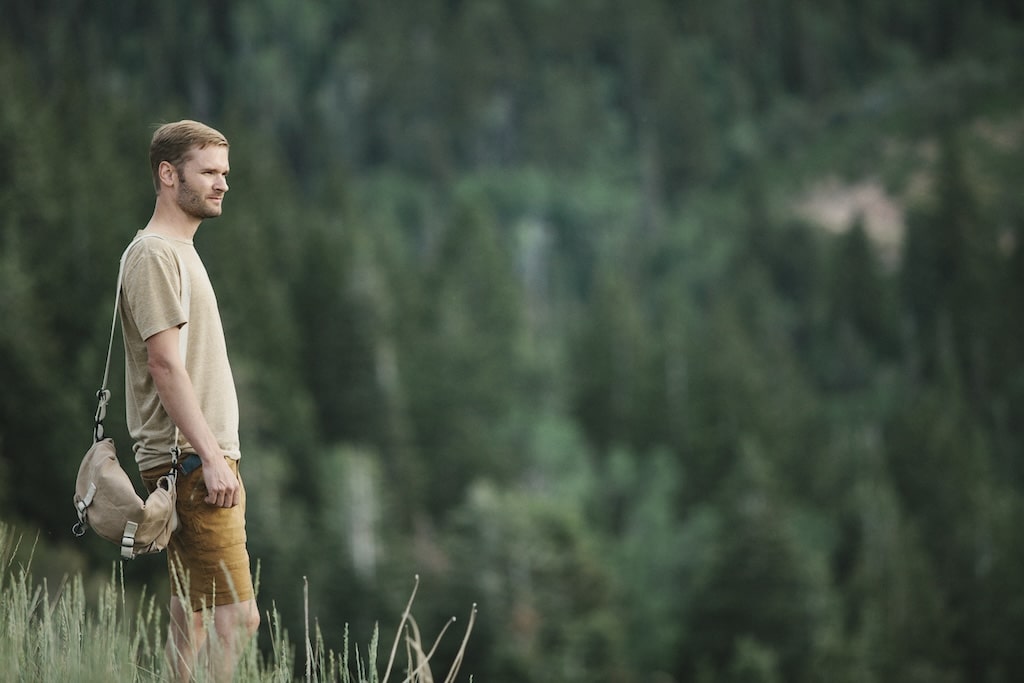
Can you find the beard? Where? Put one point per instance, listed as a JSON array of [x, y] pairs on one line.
[[193, 204]]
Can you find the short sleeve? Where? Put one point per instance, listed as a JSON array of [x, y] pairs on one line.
[[151, 288]]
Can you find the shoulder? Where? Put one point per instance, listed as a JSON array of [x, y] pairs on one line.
[[150, 251], [151, 264]]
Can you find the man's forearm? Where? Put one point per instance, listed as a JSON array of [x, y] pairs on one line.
[[178, 398]]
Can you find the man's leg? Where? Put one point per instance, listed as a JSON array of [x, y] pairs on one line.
[[188, 646], [184, 637], [235, 625], [208, 553]]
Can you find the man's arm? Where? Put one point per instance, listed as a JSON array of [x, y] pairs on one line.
[[179, 400]]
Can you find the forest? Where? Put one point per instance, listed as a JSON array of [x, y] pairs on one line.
[[676, 336]]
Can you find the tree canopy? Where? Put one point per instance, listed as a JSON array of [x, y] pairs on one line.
[[574, 309]]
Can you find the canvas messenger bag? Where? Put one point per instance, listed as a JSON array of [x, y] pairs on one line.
[[105, 497]]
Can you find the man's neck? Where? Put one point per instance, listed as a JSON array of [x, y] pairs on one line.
[[172, 224]]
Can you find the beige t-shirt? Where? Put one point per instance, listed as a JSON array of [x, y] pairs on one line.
[[151, 302]]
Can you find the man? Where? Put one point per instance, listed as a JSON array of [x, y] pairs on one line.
[[194, 395]]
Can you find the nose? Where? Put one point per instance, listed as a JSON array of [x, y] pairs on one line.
[[222, 184]]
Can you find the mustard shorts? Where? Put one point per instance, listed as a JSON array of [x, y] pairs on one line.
[[206, 557]]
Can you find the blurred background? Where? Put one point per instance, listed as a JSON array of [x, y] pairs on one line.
[[683, 338]]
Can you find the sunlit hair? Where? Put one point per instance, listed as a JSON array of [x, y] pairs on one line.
[[172, 142]]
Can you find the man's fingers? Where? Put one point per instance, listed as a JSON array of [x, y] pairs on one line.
[[223, 488], [227, 498]]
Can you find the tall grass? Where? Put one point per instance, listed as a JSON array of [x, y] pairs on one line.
[[59, 636]]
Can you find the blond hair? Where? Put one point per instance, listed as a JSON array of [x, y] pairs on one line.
[[172, 142]]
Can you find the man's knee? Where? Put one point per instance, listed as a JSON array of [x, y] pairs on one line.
[[241, 618], [252, 623]]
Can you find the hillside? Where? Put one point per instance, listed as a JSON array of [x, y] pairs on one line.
[[674, 335]]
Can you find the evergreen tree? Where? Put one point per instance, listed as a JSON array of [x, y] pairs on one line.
[[859, 327], [952, 274], [757, 587], [545, 589], [459, 343], [612, 364], [895, 624]]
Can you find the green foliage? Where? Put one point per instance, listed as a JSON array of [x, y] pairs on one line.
[[758, 587], [545, 589], [648, 546], [519, 298]]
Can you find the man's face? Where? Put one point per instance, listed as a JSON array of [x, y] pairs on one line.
[[203, 181]]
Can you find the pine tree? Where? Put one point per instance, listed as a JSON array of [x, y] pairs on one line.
[[758, 586]]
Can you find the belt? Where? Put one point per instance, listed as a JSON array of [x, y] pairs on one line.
[[189, 464]]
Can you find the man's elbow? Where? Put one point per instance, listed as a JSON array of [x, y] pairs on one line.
[[160, 369]]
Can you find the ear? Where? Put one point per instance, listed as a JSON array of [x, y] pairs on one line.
[[167, 173]]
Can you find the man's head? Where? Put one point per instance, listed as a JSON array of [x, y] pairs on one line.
[[174, 142]]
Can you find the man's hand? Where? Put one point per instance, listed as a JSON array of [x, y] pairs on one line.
[[223, 489]]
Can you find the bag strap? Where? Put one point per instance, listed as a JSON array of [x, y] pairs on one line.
[[103, 395]]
